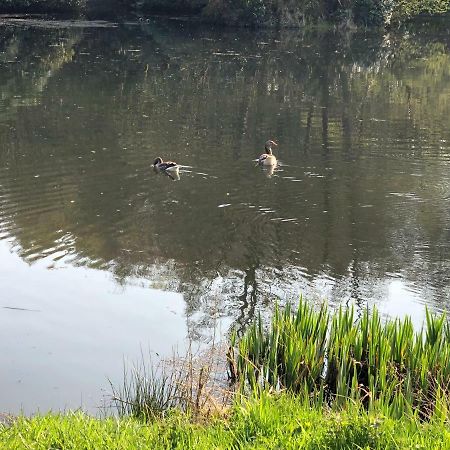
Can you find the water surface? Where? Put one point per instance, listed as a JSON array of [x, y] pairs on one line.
[[99, 256]]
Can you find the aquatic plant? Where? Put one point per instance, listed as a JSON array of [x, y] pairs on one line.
[[335, 358]]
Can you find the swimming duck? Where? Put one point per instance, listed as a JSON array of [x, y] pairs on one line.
[[168, 166], [268, 158]]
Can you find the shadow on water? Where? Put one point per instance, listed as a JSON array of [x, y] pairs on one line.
[[361, 199]]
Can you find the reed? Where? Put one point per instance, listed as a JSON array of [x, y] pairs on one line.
[[337, 359]]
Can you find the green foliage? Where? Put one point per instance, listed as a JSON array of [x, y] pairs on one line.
[[301, 12], [266, 422], [405, 9], [253, 13], [372, 12], [386, 366], [265, 12]]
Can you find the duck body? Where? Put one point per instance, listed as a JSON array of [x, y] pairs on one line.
[[268, 158], [165, 166]]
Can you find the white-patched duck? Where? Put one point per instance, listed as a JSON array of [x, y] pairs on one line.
[[268, 158], [165, 166]]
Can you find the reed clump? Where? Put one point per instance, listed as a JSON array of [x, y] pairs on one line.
[[334, 359], [192, 383]]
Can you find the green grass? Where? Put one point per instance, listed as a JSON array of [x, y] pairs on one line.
[[269, 422]]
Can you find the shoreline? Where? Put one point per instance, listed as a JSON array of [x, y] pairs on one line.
[[388, 389]]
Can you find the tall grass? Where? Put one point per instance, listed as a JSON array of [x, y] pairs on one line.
[[192, 383], [334, 359], [148, 391]]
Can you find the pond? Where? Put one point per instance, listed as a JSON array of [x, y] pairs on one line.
[[102, 259]]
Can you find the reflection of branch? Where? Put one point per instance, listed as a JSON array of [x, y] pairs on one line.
[[355, 288], [346, 106], [361, 116], [408, 100], [308, 126], [325, 103], [249, 281]]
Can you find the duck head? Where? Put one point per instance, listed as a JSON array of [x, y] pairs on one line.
[[157, 161], [268, 146]]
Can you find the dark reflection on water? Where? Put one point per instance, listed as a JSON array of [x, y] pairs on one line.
[[357, 210]]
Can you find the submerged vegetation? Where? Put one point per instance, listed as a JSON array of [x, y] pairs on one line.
[[279, 13]]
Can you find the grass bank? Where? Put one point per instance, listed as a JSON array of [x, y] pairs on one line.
[[283, 422]]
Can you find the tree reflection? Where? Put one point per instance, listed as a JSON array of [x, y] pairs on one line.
[[351, 111]]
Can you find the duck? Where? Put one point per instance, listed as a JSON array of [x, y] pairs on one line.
[[168, 166], [268, 158]]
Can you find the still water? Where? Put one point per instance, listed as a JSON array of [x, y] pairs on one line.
[[101, 258]]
